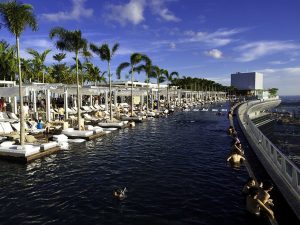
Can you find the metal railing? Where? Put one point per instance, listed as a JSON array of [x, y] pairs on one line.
[[287, 170]]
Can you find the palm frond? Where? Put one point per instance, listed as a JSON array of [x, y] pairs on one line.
[[140, 68], [105, 52], [115, 48], [120, 68], [17, 16], [59, 57], [95, 49], [135, 58]]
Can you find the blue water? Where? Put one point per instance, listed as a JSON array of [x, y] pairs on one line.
[[174, 169]]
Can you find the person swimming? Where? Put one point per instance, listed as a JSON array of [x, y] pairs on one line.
[[256, 206], [250, 184], [235, 160], [264, 195], [120, 194]]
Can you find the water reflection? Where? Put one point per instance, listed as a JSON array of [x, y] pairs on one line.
[[173, 169]]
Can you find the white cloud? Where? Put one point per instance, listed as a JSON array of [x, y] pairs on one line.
[[76, 13], [172, 45], [220, 37], [38, 43], [159, 9], [215, 53], [280, 62], [131, 12], [252, 51], [285, 79]]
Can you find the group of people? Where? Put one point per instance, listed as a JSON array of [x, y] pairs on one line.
[[258, 199], [257, 195], [236, 156]]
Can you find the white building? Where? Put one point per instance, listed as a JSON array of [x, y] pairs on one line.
[[252, 81]]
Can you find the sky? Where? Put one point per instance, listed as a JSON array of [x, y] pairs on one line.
[[200, 38]]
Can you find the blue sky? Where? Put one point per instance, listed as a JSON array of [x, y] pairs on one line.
[[199, 38]]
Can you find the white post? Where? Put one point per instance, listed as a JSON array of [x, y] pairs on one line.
[[106, 101], [14, 105], [152, 99], [48, 117], [35, 113], [115, 98], [91, 100], [66, 103], [142, 102]]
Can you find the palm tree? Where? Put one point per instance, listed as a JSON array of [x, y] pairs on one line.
[[147, 68], [170, 78], [16, 17], [81, 67], [27, 72], [159, 74], [94, 73], [8, 63], [106, 54], [60, 71], [71, 41], [39, 61], [135, 59]]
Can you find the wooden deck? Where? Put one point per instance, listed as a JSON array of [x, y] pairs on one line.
[[26, 159]]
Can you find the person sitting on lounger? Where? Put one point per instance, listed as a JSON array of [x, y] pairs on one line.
[[39, 125], [61, 113], [47, 130]]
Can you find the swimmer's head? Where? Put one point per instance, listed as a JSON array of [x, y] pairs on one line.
[[253, 191]]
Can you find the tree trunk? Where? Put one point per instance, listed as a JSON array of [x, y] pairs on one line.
[[147, 105], [131, 90], [78, 97], [158, 97], [168, 102], [22, 126], [110, 102]]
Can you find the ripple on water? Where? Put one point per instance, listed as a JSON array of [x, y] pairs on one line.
[[174, 170]]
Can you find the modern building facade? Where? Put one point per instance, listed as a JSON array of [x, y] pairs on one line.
[[247, 81]]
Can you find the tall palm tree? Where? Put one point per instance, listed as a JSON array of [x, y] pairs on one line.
[[39, 61], [16, 17], [71, 41], [147, 68], [135, 59], [159, 74], [81, 72], [170, 78], [106, 54]]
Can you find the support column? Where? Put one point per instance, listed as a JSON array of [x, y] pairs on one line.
[[115, 98], [66, 103], [142, 102], [106, 101], [91, 100], [48, 116], [152, 100], [14, 105], [35, 113], [180, 96]]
